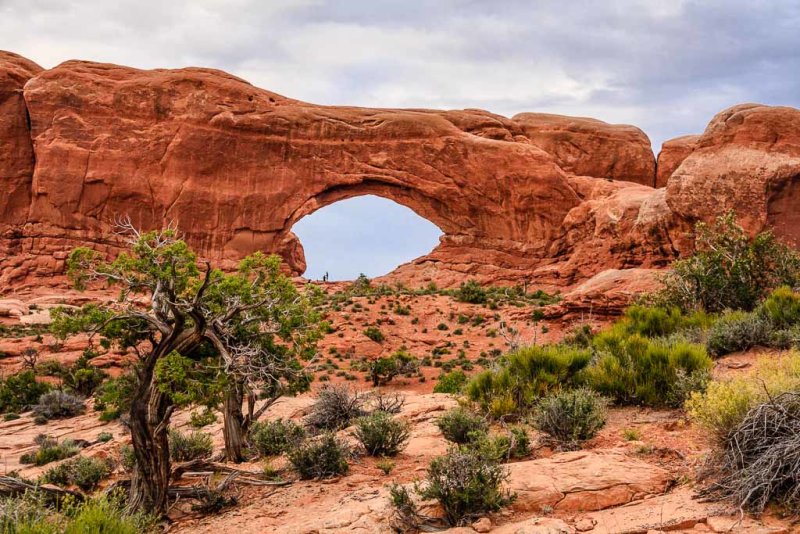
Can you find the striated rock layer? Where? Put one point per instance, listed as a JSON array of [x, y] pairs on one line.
[[548, 199]]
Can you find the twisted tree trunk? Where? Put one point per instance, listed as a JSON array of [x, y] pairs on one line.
[[235, 425]]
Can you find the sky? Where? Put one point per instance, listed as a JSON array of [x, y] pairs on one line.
[[666, 66]]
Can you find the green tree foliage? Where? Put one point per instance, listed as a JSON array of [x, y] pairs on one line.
[[21, 391], [729, 269], [383, 370], [253, 325]]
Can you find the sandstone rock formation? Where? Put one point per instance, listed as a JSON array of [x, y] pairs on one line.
[[672, 154], [538, 198]]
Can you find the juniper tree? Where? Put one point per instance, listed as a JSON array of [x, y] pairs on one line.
[[195, 331]]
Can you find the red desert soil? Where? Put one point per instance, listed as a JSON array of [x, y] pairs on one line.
[[635, 476]]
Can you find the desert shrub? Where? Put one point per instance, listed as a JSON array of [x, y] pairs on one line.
[[335, 408], [189, 446], [374, 333], [466, 485], [471, 292], [571, 417], [127, 459], [637, 370], [21, 391], [724, 404], [653, 321], [501, 447], [28, 514], [382, 435], [451, 382], [108, 514], [202, 419], [82, 377], [735, 331], [323, 457], [57, 404], [730, 270], [271, 438], [50, 450], [113, 397], [759, 461], [105, 437], [782, 308], [524, 375], [81, 471], [383, 370], [460, 425]]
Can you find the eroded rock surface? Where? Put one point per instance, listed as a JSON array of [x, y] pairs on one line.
[[539, 198]]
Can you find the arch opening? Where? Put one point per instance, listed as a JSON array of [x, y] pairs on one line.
[[365, 234]]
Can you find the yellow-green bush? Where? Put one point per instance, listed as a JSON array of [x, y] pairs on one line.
[[725, 403], [782, 307], [525, 375], [653, 321], [633, 369]]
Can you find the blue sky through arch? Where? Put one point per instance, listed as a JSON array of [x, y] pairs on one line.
[[366, 234]]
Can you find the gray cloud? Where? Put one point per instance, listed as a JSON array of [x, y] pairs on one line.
[[665, 66]]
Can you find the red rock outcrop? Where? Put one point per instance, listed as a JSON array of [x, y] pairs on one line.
[[590, 147], [672, 154], [542, 198], [747, 160], [16, 149]]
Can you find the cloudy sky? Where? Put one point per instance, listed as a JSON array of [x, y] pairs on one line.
[[664, 65]]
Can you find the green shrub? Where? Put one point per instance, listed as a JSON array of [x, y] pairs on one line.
[[471, 292], [724, 404], [383, 370], [730, 270], [374, 333], [460, 425], [50, 450], [11, 416], [735, 331], [202, 419], [21, 391], [108, 515], [57, 404], [525, 375], [382, 435], [81, 471], [82, 377], [451, 382], [104, 437], [335, 408], [113, 397], [571, 417], [637, 370], [466, 485], [271, 438], [651, 321], [782, 308], [501, 447], [190, 446], [323, 457]]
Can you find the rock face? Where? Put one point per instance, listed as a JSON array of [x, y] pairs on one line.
[[590, 147], [542, 198], [747, 160], [672, 154]]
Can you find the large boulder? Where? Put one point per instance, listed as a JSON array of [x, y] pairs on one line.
[[672, 154], [747, 160]]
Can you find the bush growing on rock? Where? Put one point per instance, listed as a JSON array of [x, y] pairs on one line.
[[637, 370], [460, 425], [383, 370], [322, 457], [524, 375], [653, 321], [730, 270], [451, 382], [271, 438], [724, 404], [759, 460], [571, 417], [189, 446], [471, 292], [382, 435], [782, 308], [466, 485], [50, 450], [21, 391], [737, 330], [335, 408], [81, 471], [57, 404], [374, 333]]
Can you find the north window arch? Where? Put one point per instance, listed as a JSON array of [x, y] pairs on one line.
[[367, 234]]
